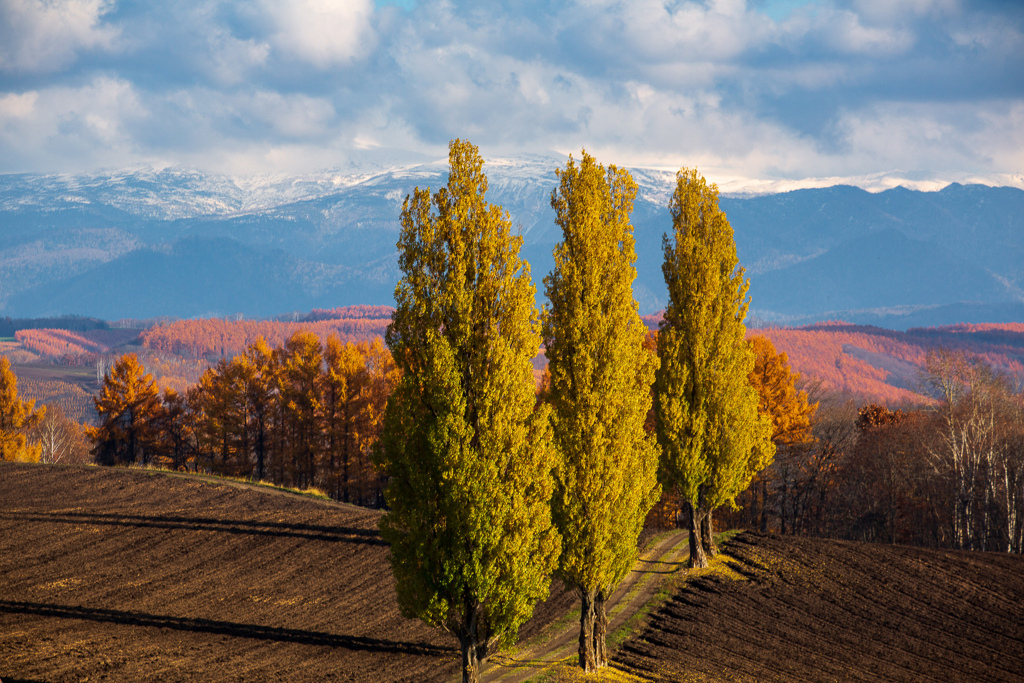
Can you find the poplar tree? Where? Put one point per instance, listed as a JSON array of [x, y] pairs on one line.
[[468, 456], [16, 417], [599, 386], [713, 439]]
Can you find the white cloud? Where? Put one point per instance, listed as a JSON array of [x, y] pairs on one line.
[[978, 138], [848, 33], [838, 87], [321, 32], [57, 127], [37, 36]]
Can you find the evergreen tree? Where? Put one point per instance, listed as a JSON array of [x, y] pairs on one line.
[[712, 437], [599, 386], [16, 417], [129, 408], [469, 459]]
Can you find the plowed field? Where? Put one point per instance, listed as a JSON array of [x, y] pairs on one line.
[[814, 610], [118, 575]]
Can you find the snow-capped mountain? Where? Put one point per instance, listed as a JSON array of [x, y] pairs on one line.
[[143, 242]]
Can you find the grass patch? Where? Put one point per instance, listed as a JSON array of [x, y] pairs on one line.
[[571, 673]]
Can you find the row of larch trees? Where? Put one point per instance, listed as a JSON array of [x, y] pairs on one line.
[[305, 414], [492, 490]]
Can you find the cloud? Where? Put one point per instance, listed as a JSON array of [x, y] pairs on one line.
[[322, 33], [37, 36], [52, 126], [757, 89]]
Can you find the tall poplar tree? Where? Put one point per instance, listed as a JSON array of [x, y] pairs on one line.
[[599, 387], [469, 459], [713, 439]]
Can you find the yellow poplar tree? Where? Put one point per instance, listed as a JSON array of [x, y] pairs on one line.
[[713, 439], [469, 459], [599, 386], [16, 417]]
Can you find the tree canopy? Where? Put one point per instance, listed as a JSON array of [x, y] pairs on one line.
[[129, 408], [778, 396], [712, 437], [468, 456], [599, 387], [16, 418]]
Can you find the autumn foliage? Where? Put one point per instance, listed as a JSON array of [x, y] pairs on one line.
[[16, 418], [302, 414], [213, 336], [883, 365]]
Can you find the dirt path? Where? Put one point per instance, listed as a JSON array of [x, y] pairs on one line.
[[664, 556]]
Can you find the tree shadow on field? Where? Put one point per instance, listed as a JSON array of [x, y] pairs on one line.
[[661, 566], [309, 532], [226, 628]]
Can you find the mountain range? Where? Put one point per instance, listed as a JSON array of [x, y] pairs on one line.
[[140, 243]]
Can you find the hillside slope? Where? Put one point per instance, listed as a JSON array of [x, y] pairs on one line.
[[804, 609], [130, 576]]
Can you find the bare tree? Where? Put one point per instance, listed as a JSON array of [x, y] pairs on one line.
[[61, 438]]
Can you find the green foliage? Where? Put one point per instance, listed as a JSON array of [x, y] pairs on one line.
[[600, 378], [709, 428], [469, 459]]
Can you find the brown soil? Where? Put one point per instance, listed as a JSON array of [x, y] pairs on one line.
[[128, 575], [814, 610]]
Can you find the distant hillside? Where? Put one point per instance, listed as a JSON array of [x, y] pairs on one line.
[[884, 365], [140, 244], [873, 363]]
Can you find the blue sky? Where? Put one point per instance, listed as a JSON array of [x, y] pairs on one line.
[[755, 89]]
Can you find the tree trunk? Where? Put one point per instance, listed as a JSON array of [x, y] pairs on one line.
[[600, 629], [764, 505], [587, 656], [698, 560], [707, 536], [470, 660]]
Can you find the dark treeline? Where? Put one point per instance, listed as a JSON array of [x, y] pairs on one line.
[[76, 323], [949, 474], [305, 414]]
